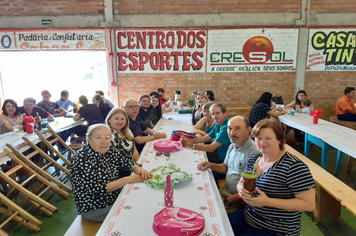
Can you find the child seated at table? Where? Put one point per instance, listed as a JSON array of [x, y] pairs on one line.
[[305, 105]]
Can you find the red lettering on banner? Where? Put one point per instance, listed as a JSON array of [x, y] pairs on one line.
[[119, 208], [159, 39], [181, 39], [186, 61], [151, 33], [207, 192], [198, 61], [130, 39], [200, 39], [133, 57], [191, 37], [129, 189], [143, 61], [170, 44], [110, 227], [121, 60], [119, 35], [165, 60], [176, 63], [154, 61], [141, 39]]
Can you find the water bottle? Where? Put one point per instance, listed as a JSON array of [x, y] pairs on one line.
[[168, 192]]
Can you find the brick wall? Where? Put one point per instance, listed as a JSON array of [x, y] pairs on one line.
[[203, 7], [232, 89], [50, 7], [332, 6], [325, 88]]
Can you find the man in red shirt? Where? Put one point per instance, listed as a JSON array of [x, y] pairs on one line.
[[345, 106]]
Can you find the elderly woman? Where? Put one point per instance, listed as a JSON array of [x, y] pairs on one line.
[[123, 139], [10, 116], [285, 187], [205, 124], [264, 108], [98, 172], [197, 113]]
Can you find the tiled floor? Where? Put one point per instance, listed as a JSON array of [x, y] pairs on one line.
[[61, 220]]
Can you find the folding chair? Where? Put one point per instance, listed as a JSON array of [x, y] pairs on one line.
[[10, 211], [59, 177]]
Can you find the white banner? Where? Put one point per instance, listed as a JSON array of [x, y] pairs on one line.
[[332, 49], [62, 40], [252, 50], [7, 41], [161, 51]]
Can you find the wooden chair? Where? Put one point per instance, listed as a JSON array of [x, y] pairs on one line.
[[83, 227], [10, 211], [59, 177], [33, 190]]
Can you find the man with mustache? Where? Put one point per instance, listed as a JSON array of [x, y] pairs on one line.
[[240, 150]]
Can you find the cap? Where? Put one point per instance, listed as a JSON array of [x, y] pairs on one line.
[[154, 94], [45, 92]]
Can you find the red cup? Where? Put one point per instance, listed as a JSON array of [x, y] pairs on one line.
[[315, 119]]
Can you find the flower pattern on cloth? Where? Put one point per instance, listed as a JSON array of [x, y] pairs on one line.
[[16, 121], [49, 107], [154, 117], [123, 145], [90, 172]]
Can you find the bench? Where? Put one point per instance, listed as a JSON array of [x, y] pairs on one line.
[[332, 193], [234, 111], [349, 124], [83, 227]]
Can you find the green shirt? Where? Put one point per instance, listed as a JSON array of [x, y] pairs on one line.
[[191, 102], [221, 136]]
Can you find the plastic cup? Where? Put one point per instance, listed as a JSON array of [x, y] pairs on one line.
[[16, 129], [292, 112], [315, 119], [250, 181]]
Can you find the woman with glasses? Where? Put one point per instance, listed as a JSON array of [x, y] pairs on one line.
[[98, 172], [123, 139]]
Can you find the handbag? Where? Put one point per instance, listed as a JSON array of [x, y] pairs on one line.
[[167, 146], [176, 134], [174, 221]]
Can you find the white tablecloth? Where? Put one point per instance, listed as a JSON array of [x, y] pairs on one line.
[[134, 210], [337, 136], [60, 124]]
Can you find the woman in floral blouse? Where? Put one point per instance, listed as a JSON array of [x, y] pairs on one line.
[[98, 172], [10, 116], [123, 138]]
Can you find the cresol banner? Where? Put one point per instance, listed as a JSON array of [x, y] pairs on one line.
[[161, 51], [252, 50], [332, 49], [60, 40]]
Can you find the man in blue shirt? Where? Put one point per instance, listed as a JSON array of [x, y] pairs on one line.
[[219, 132], [64, 102]]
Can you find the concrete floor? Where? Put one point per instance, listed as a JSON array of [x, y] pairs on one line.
[[61, 220]]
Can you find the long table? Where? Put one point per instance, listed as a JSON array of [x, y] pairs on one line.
[[59, 124], [325, 134], [134, 209]]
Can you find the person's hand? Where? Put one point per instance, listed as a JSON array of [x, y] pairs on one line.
[[156, 135], [136, 178], [283, 111], [259, 201], [203, 165], [144, 173], [63, 113], [185, 142]]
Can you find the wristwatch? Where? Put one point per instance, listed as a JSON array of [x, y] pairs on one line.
[[193, 146], [227, 203]]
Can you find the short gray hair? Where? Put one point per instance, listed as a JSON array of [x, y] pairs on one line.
[[222, 107], [93, 127]]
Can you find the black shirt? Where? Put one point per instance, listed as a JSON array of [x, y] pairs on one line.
[[104, 109], [145, 116], [137, 127], [50, 107], [91, 113], [42, 113]]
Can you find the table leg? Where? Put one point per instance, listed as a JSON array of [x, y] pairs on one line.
[[325, 156], [306, 145], [338, 162]]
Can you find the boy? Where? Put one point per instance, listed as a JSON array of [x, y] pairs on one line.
[[305, 104]]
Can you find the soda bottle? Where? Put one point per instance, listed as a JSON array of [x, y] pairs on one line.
[[168, 192], [23, 122], [38, 122]]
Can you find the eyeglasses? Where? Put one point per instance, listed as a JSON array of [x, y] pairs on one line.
[[132, 107], [100, 138], [167, 154]]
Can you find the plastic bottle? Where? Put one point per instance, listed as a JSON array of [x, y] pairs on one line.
[[168, 192], [23, 122], [38, 122], [177, 96]]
